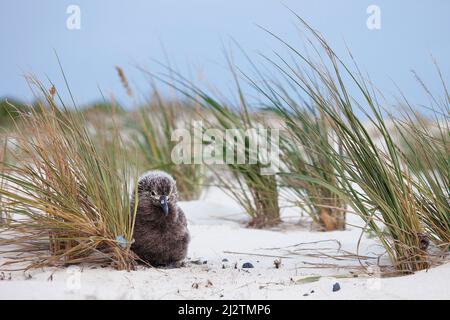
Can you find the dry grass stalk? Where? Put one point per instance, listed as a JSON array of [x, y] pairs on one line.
[[124, 81]]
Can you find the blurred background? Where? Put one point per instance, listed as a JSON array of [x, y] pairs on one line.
[[193, 35]]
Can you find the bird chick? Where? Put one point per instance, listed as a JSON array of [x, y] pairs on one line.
[[161, 235]]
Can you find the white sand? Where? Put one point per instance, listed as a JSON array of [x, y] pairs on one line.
[[216, 228]]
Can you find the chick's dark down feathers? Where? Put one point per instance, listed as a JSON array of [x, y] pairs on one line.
[[161, 237]]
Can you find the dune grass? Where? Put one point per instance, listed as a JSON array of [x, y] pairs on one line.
[[68, 202], [245, 181], [10, 110], [303, 147], [372, 177], [428, 160], [425, 141], [237, 167]]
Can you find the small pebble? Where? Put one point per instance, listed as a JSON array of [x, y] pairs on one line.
[[247, 265], [199, 261], [336, 287], [305, 294]]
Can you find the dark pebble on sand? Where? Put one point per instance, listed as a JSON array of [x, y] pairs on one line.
[[198, 261], [247, 265], [336, 287]]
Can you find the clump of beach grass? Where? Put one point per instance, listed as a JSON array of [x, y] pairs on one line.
[[304, 134], [304, 140], [245, 181], [425, 141], [238, 168], [372, 176], [68, 201]]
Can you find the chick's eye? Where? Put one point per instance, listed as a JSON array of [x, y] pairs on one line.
[[153, 193]]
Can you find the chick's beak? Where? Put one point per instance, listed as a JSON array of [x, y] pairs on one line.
[[163, 201]]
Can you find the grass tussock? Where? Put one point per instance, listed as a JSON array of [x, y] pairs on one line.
[[246, 181], [69, 201], [371, 172], [306, 138], [228, 136], [425, 141]]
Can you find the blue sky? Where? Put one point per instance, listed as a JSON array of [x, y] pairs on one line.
[[193, 33]]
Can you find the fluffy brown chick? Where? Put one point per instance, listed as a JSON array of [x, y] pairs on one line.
[[161, 236]]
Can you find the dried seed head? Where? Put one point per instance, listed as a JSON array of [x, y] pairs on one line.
[[124, 81], [52, 91]]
